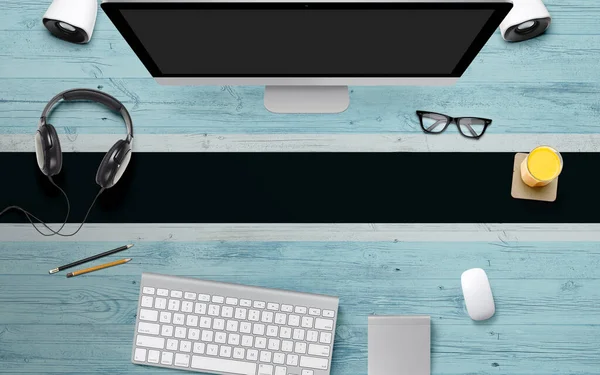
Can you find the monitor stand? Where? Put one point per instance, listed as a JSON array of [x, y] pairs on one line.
[[306, 99]]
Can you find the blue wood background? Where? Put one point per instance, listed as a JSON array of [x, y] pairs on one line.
[[547, 294]]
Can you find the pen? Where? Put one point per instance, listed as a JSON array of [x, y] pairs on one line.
[[93, 257], [100, 267]]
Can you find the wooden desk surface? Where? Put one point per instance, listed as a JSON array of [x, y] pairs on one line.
[[545, 277]]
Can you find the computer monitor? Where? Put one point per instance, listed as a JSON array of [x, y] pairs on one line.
[[306, 53]]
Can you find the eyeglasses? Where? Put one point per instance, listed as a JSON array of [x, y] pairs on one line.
[[470, 127]]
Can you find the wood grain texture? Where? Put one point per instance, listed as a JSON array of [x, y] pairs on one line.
[[547, 316]]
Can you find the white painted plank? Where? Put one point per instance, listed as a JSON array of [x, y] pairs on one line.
[[314, 142], [312, 232]]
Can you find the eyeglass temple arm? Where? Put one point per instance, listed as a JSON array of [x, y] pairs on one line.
[[471, 130], [435, 124]]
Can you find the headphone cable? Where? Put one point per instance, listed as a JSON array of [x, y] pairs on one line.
[[29, 215]]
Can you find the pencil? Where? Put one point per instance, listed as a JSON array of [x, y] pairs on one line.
[[89, 259], [100, 267]]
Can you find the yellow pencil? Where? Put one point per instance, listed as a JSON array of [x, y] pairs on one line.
[[100, 267]]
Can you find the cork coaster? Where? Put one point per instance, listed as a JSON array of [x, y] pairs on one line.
[[521, 191]]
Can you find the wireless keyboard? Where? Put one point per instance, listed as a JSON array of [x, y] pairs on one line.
[[231, 329]]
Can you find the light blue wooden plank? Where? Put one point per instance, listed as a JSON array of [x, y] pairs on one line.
[[515, 108]]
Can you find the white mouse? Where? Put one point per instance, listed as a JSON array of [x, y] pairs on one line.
[[478, 294]]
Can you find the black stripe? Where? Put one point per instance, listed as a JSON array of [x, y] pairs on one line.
[[301, 188]]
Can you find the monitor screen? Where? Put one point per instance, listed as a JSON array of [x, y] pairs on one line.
[[306, 40]]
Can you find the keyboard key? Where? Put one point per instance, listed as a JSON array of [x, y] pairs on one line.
[[191, 321], [285, 333], [212, 349], [260, 343], [240, 313], [225, 351], [325, 338], [233, 339], [232, 326], [219, 324], [326, 324], [231, 301], [298, 334], [213, 310], [207, 335], [279, 358], [245, 303], [165, 317], [167, 358], [280, 370], [150, 342], [287, 308], [328, 313], [176, 293], [189, 295], [267, 317], [178, 319], [200, 308], [147, 290], [318, 350], [160, 303], [245, 327], [307, 322], [292, 360], [180, 332], [287, 346], [265, 356], [203, 297], [153, 356], [280, 318], [300, 348], [247, 340], [147, 301], [221, 337], [259, 305], [259, 329], [205, 322], [207, 364], [308, 372], [140, 355], [199, 347], [238, 353], [273, 344], [312, 362], [272, 331], [167, 331], [265, 369], [185, 346], [254, 315], [227, 312], [173, 305], [218, 299], [300, 310], [312, 336], [162, 292], [187, 306], [182, 360], [272, 306], [148, 315], [148, 328], [193, 334], [313, 311], [252, 354], [294, 320], [172, 344]]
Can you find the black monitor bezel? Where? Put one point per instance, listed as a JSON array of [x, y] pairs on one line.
[[113, 11]]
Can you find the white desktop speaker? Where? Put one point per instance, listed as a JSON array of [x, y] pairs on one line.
[[526, 20], [72, 20]]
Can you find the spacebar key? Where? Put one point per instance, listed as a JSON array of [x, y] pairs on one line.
[[223, 365]]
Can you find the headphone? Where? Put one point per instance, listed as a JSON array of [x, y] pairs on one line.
[[47, 145]]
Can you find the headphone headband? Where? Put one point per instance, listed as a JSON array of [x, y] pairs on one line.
[[94, 96]]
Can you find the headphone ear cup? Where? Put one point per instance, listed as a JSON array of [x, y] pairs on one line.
[[113, 164], [48, 151]]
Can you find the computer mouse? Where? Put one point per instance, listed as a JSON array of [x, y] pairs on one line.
[[478, 294]]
